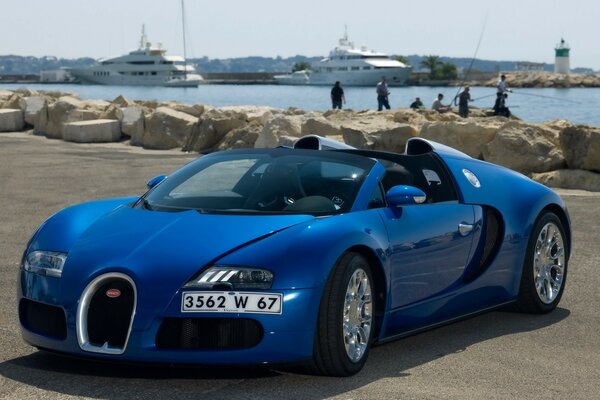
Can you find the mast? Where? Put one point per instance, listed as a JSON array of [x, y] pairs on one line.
[[183, 34]]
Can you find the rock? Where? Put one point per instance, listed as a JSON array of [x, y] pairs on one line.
[[166, 129], [260, 114], [32, 106], [11, 120], [243, 137], [581, 147], [525, 148], [111, 112], [93, 131], [280, 125], [195, 110], [377, 131], [13, 102], [96, 105], [132, 124], [123, 102], [570, 179], [321, 126], [66, 109], [212, 128], [468, 136]]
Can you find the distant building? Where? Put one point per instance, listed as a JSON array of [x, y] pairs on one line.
[[526, 66], [561, 59], [55, 75]]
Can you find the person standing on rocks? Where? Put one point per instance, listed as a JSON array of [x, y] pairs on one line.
[[500, 105], [502, 86], [463, 102], [382, 95], [337, 96]]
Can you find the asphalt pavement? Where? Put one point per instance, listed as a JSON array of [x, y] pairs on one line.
[[499, 355]]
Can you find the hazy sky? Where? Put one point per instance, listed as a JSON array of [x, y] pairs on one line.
[[515, 29]]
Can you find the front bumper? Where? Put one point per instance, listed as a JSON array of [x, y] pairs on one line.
[[285, 338]]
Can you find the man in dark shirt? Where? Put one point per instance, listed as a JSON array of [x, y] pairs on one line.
[[337, 96]]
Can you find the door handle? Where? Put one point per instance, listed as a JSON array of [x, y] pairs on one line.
[[465, 229]]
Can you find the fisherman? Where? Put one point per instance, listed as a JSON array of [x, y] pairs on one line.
[[417, 104], [463, 102], [502, 86], [337, 96], [382, 95], [438, 106], [500, 105]]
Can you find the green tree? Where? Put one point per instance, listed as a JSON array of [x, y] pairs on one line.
[[433, 63], [402, 59], [448, 71], [301, 66]]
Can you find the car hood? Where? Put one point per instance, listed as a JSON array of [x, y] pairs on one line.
[[162, 250]]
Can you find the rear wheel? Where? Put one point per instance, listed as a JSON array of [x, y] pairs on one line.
[[345, 324], [545, 267]]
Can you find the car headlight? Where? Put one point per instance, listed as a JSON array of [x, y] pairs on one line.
[[237, 278], [48, 263]]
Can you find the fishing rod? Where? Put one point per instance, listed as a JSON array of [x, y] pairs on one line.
[[484, 97], [546, 97], [472, 59]]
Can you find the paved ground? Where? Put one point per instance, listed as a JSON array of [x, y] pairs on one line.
[[494, 356]]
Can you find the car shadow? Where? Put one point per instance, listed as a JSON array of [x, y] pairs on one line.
[[77, 377]]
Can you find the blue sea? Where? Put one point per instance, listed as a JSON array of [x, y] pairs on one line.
[[577, 105]]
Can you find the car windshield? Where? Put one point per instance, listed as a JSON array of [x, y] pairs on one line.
[[263, 181]]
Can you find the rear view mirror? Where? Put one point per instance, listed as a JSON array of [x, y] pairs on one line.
[[155, 181]]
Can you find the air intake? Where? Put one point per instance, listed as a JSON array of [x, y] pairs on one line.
[[315, 142]]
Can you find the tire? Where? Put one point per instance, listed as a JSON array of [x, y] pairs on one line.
[[345, 322], [545, 267]]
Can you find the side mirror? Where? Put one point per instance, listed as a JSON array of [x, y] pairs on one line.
[[155, 181], [403, 195]]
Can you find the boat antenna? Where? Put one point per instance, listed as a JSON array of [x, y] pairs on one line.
[[143, 39]]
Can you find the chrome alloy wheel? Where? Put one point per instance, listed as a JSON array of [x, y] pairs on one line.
[[357, 318], [549, 263]]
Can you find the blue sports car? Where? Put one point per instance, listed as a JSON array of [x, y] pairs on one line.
[[307, 255]]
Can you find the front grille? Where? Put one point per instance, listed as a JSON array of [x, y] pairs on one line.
[[209, 333], [43, 319], [109, 316]]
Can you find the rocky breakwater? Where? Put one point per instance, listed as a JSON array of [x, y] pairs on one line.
[[545, 80], [555, 153]]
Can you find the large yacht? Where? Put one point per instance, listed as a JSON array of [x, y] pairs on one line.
[[352, 66], [147, 66]]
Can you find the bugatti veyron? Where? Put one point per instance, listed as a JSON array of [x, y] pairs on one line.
[[310, 255]]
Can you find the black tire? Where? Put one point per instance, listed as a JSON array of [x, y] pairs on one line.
[[330, 356], [551, 285]]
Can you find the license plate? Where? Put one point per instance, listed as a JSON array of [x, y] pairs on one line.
[[231, 302]]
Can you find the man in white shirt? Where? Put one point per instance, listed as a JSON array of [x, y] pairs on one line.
[[438, 106], [502, 86]]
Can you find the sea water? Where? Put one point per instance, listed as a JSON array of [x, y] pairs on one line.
[[577, 105]]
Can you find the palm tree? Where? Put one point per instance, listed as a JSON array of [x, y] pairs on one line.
[[448, 71], [403, 60], [301, 66], [433, 63]]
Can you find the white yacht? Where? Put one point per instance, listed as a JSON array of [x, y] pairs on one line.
[[147, 66], [352, 66]]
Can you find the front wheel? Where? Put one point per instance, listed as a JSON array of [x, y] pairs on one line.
[[345, 324], [545, 268]]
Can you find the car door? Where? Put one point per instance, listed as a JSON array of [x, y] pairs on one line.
[[430, 245]]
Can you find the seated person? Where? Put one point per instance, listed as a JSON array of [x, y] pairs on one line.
[[438, 106], [417, 104], [500, 105]]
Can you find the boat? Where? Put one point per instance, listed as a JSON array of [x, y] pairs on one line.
[[146, 66], [352, 66]]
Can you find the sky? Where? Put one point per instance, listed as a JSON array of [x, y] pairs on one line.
[[514, 30]]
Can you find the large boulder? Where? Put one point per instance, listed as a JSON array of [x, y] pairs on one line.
[[35, 109], [166, 128], [242, 137], [280, 125], [570, 179], [468, 136], [525, 148], [212, 128], [377, 131], [260, 114], [132, 124], [93, 131], [66, 109], [122, 102], [11, 120], [12, 102], [581, 147], [319, 125]]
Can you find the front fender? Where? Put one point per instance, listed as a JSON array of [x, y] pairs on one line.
[[60, 231]]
